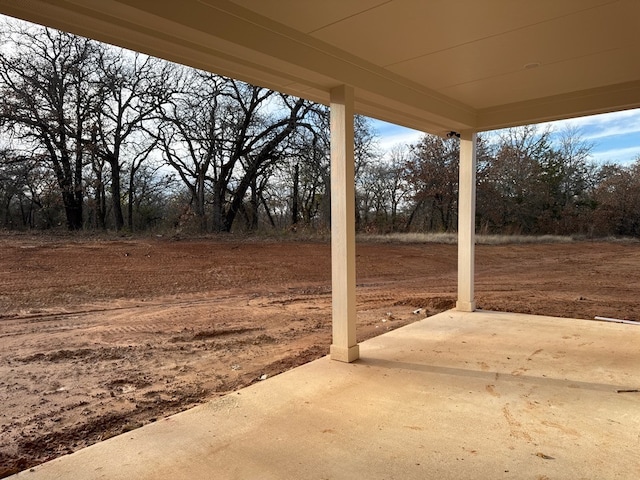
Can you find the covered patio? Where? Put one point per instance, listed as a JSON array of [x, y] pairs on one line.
[[459, 395], [455, 396]]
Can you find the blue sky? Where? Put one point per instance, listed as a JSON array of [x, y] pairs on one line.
[[615, 136]]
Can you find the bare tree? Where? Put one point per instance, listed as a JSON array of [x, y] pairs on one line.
[[130, 87], [189, 134], [572, 196], [221, 136], [17, 199], [46, 103], [299, 187], [305, 180], [259, 141], [396, 183]]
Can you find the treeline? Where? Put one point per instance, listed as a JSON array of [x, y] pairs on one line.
[[95, 137], [529, 181]]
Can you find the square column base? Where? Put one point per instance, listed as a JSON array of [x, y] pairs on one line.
[[346, 355], [465, 306]]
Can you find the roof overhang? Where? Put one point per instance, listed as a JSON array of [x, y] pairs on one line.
[[456, 73]]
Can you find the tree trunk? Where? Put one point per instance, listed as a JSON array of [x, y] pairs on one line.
[[200, 201], [238, 198], [219, 225], [7, 212], [115, 194], [294, 200], [253, 225], [412, 215], [266, 209], [73, 211], [130, 199], [101, 207]]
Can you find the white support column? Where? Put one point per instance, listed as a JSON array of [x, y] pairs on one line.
[[343, 227], [466, 222]]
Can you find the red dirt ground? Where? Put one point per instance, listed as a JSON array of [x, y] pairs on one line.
[[98, 336]]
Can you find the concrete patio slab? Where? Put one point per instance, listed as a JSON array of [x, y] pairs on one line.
[[480, 395]]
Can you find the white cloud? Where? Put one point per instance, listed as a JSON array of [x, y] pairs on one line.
[[401, 138], [594, 127], [623, 156], [604, 131], [391, 135], [599, 119]]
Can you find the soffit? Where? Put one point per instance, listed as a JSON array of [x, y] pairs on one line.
[[433, 65]]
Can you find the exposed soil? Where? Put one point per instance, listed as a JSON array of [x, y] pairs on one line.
[[98, 337]]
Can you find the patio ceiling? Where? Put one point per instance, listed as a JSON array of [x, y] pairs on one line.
[[432, 65]]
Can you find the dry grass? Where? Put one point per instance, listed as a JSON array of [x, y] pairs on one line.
[[452, 238]]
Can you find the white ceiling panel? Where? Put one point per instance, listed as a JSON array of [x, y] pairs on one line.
[[545, 43], [309, 15], [562, 78], [407, 29], [434, 65]]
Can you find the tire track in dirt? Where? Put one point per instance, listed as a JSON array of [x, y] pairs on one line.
[[167, 356], [105, 342], [18, 324]]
